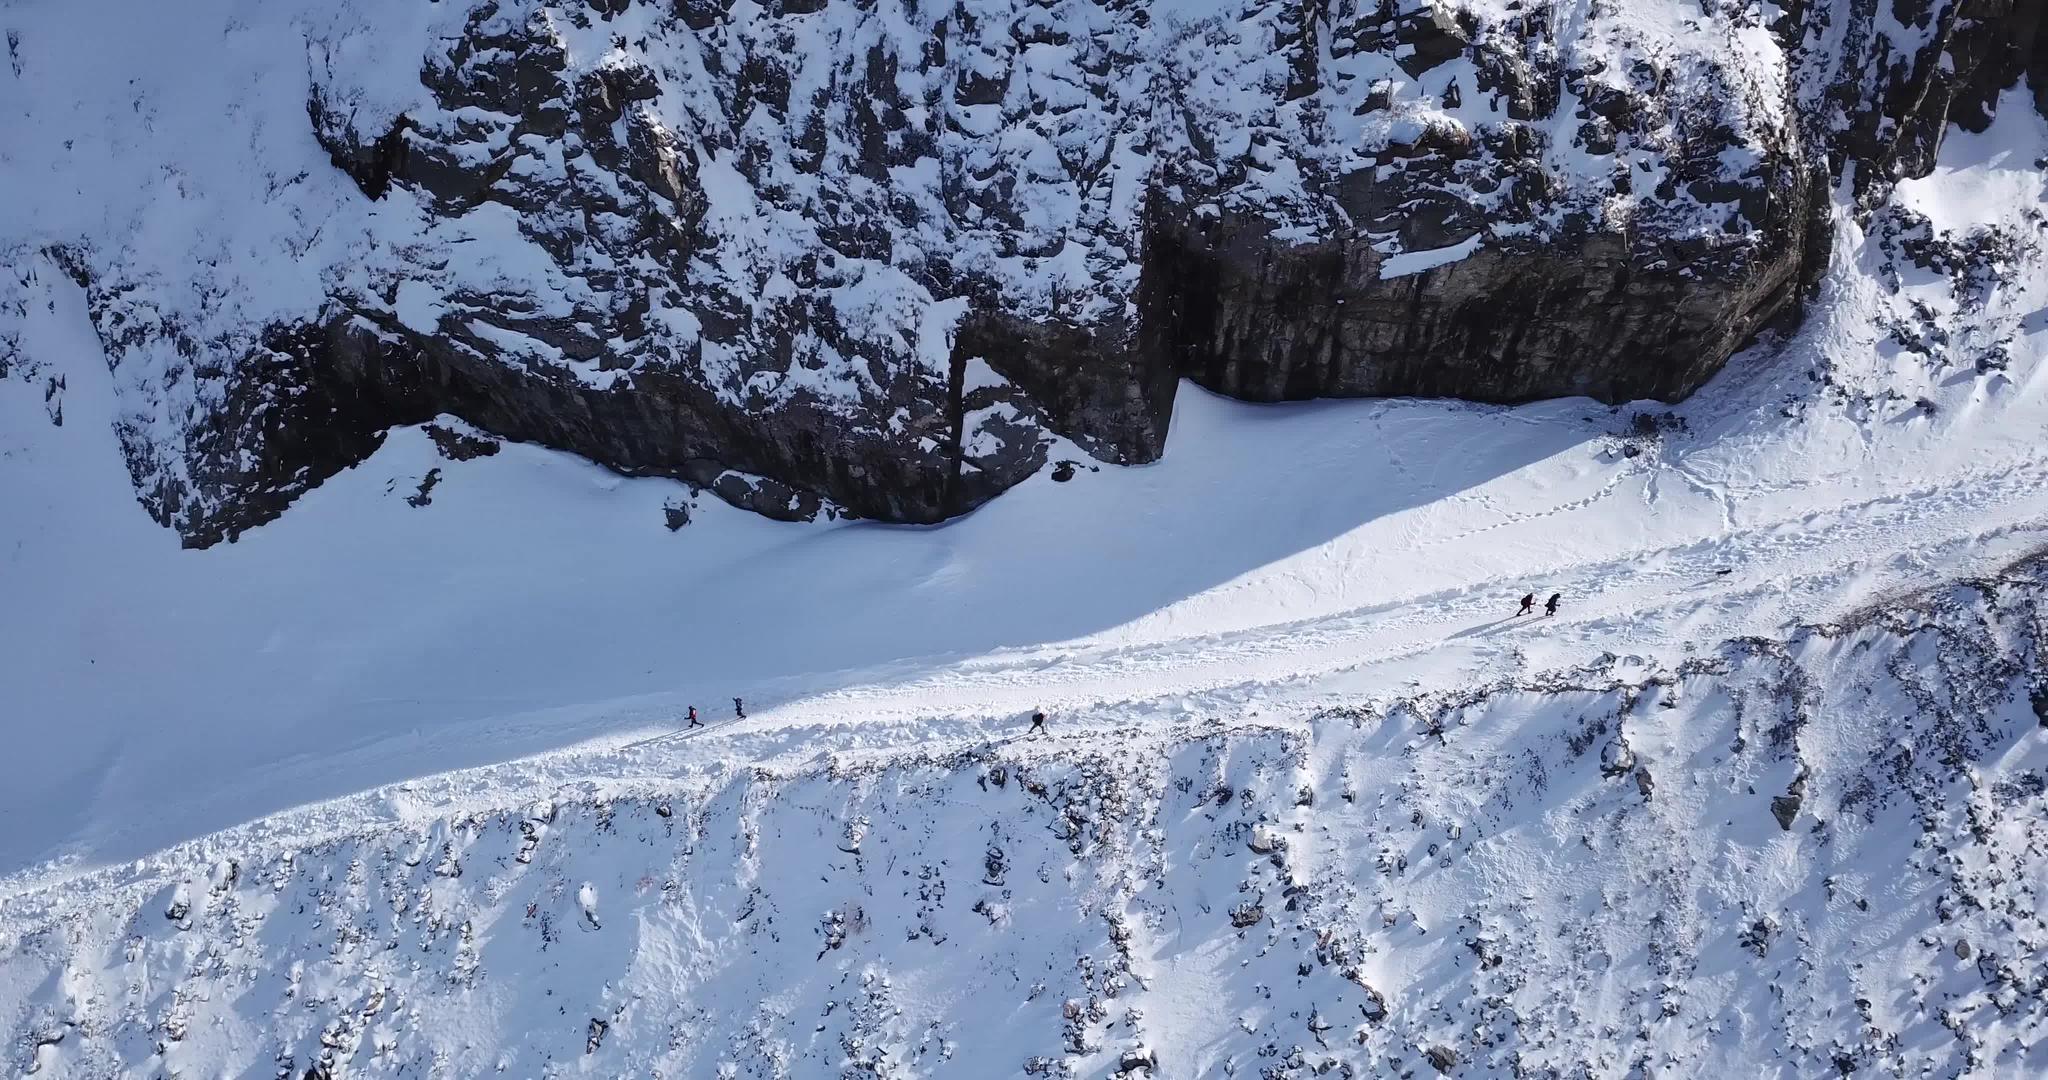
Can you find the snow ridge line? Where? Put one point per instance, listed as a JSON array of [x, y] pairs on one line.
[[589, 774]]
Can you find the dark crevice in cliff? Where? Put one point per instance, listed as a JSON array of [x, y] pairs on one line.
[[956, 416], [1112, 399], [1272, 325], [374, 165]]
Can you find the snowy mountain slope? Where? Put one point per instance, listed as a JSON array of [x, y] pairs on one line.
[[533, 601], [837, 256], [1776, 859], [390, 681]]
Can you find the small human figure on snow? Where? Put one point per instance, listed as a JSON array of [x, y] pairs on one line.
[[1528, 606], [738, 709], [1550, 605], [694, 722], [1037, 723]]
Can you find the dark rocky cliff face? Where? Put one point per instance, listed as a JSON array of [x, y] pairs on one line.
[[1590, 317], [875, 258], [1911, 68]]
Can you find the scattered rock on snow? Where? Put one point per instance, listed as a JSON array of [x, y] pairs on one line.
[[1758, 936], [425, 495], [460, 445], [1786, 807], [1374, 1007], [1616, 758]]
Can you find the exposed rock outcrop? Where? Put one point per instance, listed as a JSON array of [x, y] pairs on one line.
[[874, 259], [1908, 69]]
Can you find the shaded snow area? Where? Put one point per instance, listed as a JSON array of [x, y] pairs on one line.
[[398, 783], [1812, 858]]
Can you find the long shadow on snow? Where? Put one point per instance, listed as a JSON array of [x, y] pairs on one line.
[[814, 610], [1242, 487], [428, 673]]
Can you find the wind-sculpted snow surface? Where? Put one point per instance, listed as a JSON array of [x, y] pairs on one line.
[[1815, 856], [817, 256]]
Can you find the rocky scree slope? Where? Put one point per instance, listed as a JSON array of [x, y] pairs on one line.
[[878, 258], [1816, 856]]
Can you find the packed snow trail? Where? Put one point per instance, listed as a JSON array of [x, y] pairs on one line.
[[1608, 605]]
